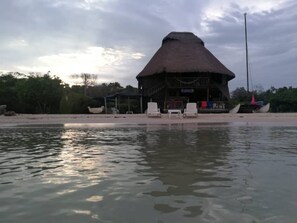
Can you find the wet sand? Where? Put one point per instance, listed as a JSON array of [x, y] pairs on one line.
[[20, 119]]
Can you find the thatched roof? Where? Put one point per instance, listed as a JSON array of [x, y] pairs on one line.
[[183, 52]]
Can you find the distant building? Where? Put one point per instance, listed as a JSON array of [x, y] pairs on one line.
[[183, 70]]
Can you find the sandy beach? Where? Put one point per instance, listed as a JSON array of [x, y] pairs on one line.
[[21, 119]]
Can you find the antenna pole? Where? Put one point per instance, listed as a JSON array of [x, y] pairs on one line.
[[246, 55]]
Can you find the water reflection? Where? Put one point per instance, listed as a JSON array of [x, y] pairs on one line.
[[28, 152], [166, 173], [189, 162]]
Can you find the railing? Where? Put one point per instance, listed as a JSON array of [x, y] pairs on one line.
[[155, 89], [187, 82]]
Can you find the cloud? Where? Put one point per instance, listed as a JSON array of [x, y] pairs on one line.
[[106, 62], [271, 41], [117, 38]]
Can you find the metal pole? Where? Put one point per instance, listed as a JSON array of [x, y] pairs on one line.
[[246, 55]]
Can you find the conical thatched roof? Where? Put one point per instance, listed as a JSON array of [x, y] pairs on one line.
[[183, 52]]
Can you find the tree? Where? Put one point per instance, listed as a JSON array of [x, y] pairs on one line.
[[8, 91], [101, 90], [282, 99], [240, 95], [86, 80], [40, 94], [74, 103], [259, 89]]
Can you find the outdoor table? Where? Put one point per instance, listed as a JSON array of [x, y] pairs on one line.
[[174, 111]]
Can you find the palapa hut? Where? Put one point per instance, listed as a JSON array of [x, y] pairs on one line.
[[183, 70]]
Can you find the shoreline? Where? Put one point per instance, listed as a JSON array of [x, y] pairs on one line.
[[252, 118]]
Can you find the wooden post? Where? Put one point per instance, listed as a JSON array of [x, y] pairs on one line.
[[166, 92], [141, 109], [105, 104], [128, 103]]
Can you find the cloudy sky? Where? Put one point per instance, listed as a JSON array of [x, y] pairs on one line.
[[116, 38]]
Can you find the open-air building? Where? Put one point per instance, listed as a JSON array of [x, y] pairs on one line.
[[183, 70]]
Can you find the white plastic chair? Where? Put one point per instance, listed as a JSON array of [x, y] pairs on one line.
[[153, 110], [191, 110]]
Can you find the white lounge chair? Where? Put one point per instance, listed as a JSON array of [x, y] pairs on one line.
[[191, 110], [153, 110]]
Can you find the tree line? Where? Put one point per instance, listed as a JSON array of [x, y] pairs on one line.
[[37, 93], [282, 99]]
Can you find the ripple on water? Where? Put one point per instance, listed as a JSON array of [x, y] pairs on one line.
[[158, 173]]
